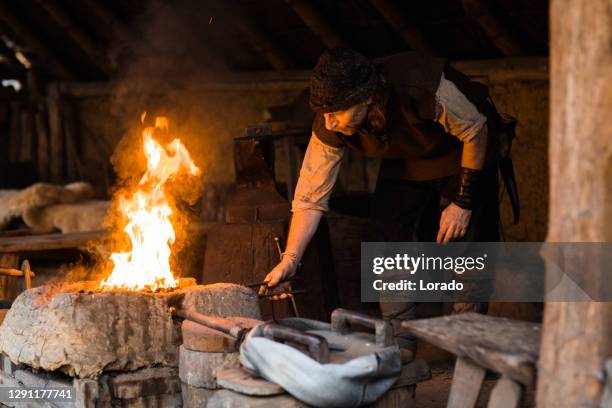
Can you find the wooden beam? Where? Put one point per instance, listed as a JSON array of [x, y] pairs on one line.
[[495, 29], [409, 33], [113, 27], [47, 242], [577, 336], [90, 48], [33, 43], [316, 22], [490, 71], [505, 69], [263, 43]]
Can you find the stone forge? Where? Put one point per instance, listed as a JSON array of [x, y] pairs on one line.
[[82, 331]]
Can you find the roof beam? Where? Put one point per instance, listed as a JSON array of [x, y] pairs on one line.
[[112, 25], [260, 40], [316, 22], [409, 33], [493, 27], [78, 36], [33, 43]]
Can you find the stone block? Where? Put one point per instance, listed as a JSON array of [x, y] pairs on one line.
[[195, 397], [231, 399], [144, 383], [83, 331], [199, 369]]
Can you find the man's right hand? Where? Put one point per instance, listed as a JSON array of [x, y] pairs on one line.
[[279, 276]]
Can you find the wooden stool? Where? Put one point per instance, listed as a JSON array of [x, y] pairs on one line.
[[481, 343]]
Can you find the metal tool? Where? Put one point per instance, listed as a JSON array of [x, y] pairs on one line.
[[311, 344], [289, 293], [216, 323]]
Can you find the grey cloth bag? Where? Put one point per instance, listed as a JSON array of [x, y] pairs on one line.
[[356, 382]]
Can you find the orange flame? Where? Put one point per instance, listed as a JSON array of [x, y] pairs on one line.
[[148, 210]]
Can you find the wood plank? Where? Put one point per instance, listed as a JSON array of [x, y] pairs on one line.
[[467, 381], [505, 394], [505, 346], [48, 241]]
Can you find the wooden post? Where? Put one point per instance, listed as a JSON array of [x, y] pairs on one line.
[[577, 337], [42, 147], [14, 131], [73, 165], [56, 143], [27, 136]]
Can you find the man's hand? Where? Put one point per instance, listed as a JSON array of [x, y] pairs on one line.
[[454, 223], [279, 276]]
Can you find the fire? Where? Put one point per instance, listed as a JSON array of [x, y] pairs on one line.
[[148, 210]]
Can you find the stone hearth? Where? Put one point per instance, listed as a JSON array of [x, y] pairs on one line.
[[81, 331]]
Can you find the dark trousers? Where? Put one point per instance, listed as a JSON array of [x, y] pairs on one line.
[[409, 211]]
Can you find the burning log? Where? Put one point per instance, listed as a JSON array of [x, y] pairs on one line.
[[83, 330]]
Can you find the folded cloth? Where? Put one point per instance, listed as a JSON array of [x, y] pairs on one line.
[[357, 382]]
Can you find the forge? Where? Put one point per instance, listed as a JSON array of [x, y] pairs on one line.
[[84, 331]]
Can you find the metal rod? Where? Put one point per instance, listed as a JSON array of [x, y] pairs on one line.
[[212, 322]]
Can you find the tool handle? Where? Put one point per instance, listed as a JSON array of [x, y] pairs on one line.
[[316, 346], [341, 319]]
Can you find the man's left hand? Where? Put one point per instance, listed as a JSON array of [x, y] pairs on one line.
[[454, 223]]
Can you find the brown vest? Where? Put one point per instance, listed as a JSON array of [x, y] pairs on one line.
[[415, 147]]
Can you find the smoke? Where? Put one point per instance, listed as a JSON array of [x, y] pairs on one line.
[[169, 53]]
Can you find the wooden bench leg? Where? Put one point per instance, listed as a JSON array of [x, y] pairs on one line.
[[505, 394], [467, 381]]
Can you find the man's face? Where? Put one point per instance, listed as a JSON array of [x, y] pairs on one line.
[[346, 121]]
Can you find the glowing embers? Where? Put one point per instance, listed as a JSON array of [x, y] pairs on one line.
[[148, 210]]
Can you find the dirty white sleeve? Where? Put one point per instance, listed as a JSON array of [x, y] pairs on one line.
[[317, 176], [456, 113]]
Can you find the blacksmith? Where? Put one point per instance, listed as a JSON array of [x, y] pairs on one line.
[[429, 124]]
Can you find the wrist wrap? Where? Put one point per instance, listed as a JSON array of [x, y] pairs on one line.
[[469, 179]]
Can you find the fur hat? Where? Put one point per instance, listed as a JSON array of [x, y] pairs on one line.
[[342, 78]]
